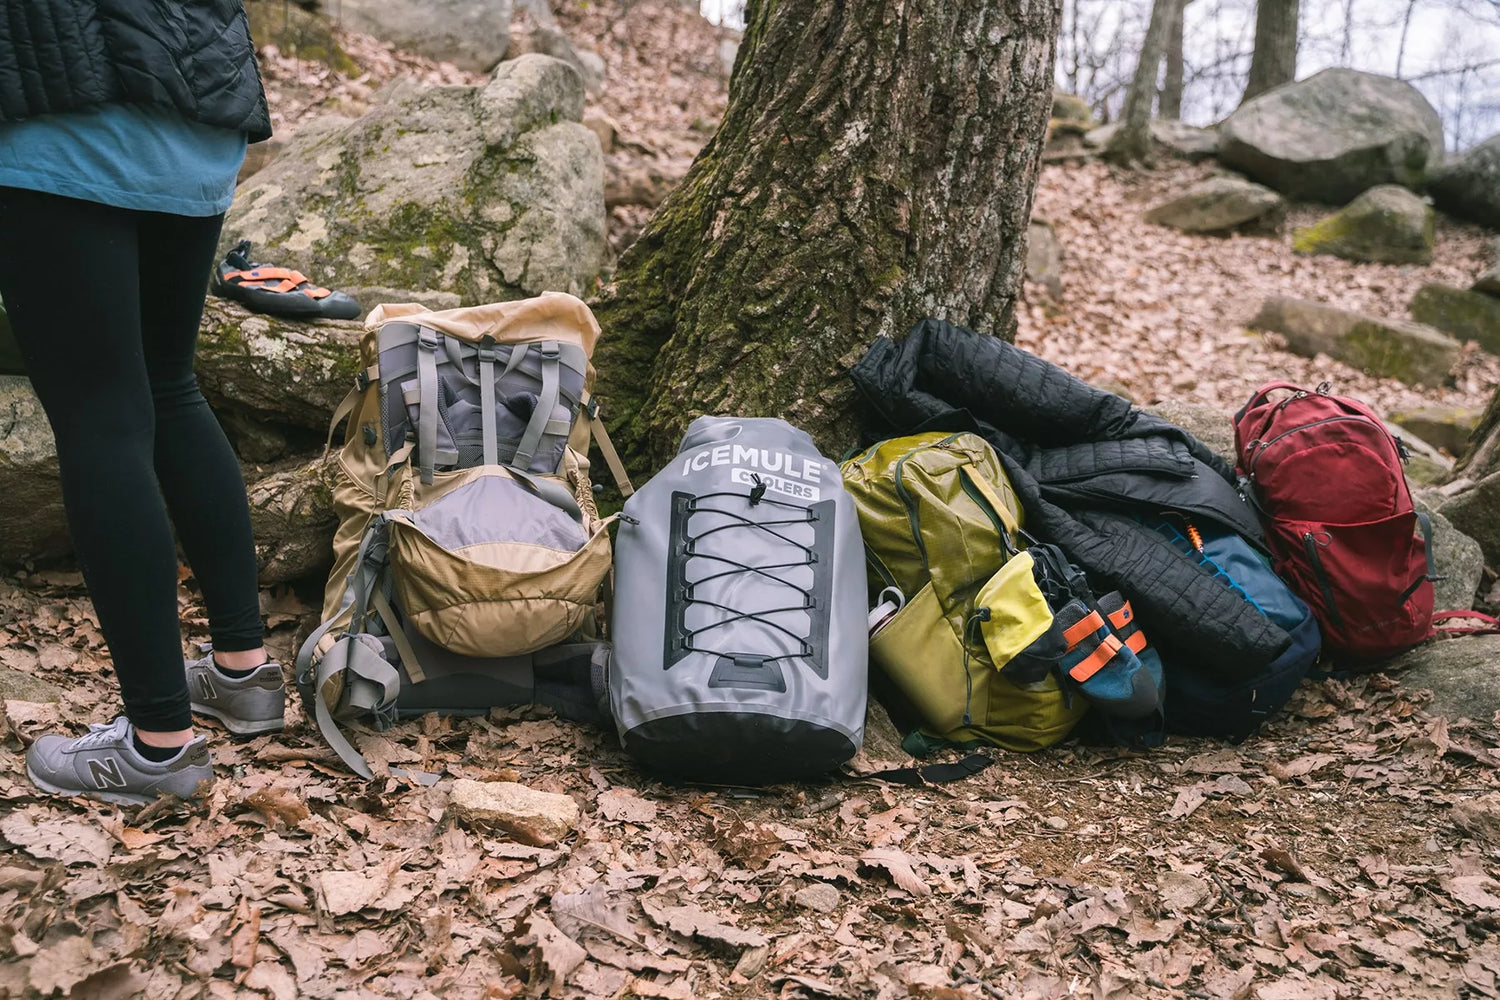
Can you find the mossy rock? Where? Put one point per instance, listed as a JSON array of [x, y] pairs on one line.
[[489, 193], [1445, 427], [1465, 314], [1071, 108], [1409, 352], [1387, 225], [298, 33]]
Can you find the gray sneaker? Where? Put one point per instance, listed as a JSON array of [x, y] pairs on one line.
[[104, 764], [247, 706]]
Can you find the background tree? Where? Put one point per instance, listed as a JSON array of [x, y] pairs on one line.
[[1169, 105], [1131, 143], [1274, 60], [875, 165]]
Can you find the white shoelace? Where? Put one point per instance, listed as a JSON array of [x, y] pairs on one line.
[[100, 733]]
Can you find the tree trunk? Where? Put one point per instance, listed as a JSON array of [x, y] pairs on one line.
[[1274, 61], [1170, 102], [1482, 457], [1131, 143], [875, 166]]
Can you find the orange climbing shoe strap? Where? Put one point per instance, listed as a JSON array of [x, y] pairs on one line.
[[277, 279]]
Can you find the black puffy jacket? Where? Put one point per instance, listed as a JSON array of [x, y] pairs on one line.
[[1082, 461], [194, 55]]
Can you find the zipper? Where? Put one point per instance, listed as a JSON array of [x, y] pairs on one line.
[[906, 498], [965, 482], [1296, 430], [1310, 543]]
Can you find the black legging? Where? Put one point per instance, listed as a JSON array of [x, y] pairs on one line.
[[105, 304]]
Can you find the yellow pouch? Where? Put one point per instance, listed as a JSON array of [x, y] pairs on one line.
[[1018, 612]]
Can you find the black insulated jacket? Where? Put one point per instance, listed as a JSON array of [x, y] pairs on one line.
[[1084, 463], [194, 55]]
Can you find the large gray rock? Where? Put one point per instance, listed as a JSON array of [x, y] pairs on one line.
[[492, 192], [1385, 225], [1459, 560], [1334, 135], [1488, 282], [1408, 352], [1461, 674], [1476, 512], [1044, 257], [1186, 142], [1209, 424], [1468, 186], [17, 685], [549, 40], [1445, 427], [32, 523], [471, 34], [1221, 204], [1465, 314]]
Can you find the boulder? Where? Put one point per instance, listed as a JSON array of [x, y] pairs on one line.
[[293, 520], [1408, 352], [1209, 424], [1186, 142], [1044, 257], [1465, 314], [1445, 427], [1385, 225], [1459, 672], [604, 127], [273, 371], [1475, 511], [1070, 107], [17, 685], [471, 34], [258, 156], [32, 522], [1333, 136], [1468, 186], [1458, 559], [298, 33], [1487, 283], [489, 193], [549, 40], [1220, 205], [531, 817]]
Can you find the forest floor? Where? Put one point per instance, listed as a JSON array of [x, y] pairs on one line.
[[1349, 850]]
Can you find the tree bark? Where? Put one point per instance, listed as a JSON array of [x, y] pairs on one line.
[[1482, 456], [1274, 60], [1170, 103], [292, 517], [875, 166], [1131, 143]]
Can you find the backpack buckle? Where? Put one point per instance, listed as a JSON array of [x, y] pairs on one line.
[[487, 350], [427, 339], [551, 350]]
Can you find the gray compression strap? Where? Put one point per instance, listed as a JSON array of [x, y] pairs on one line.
[[532, 439], [427, 415], [393, 627], [517, 357], [487, 400]]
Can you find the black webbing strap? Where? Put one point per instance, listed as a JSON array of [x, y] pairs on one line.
[[932, 774]]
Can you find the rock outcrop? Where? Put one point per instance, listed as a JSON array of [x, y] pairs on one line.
[[1459, 559], [1385, 225], [1333, 136], [1221, 205], [32, 522], [472, 34], [1445, 427], [1465, 314], [489, 192], [1044, 257], [1476, 512], [1468, 186], [1460, 673], [1171, 137], [1410, 352]]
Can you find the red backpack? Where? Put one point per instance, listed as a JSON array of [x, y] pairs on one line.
[[1326, 477]]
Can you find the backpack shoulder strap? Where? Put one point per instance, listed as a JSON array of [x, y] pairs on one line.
[[606, 447]]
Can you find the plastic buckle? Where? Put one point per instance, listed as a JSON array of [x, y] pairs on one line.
[[551, 350], [427, 339], [591, 409], [362, 380], [487, 350]]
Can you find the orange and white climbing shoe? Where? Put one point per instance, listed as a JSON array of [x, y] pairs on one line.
[[278, 290]]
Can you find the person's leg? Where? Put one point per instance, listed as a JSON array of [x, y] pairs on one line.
[[68, 274], [195, 465]]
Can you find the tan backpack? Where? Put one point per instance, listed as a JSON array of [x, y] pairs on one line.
[[468, 537]]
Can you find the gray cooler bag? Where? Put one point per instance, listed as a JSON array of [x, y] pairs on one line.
[[739, 619]]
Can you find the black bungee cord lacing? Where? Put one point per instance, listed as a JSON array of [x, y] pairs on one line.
[[807, 557]]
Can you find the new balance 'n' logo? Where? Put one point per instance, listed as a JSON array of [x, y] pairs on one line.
[[106, 773], [206, 687]]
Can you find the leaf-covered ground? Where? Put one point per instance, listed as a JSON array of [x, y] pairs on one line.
[[1351, 850]]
